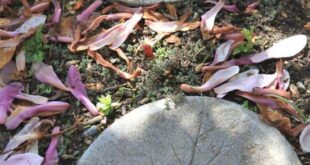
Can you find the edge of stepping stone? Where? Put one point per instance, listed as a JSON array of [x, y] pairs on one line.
[[161, 106], [143, 2]]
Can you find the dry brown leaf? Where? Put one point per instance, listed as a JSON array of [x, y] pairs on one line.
[[173, 39], [307, 26], [279, 121], [186, 15], [78, 4], [7, 50], [294, 90], [172, 10], [154, 16]]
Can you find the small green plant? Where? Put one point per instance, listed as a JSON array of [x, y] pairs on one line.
[[35, 47], [106, 105], [245, 104], [246, 47], [44, 89]]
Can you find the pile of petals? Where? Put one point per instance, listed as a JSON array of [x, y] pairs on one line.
[[23, 147]]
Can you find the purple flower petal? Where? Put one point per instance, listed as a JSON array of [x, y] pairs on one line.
[[32, 98], [24, 159], [285, 48], [51, 155], [7, 95], [57, 11], [230, 8], [45, 74], [14, 142], [87, 12], [259, 99], [32, 22], [216, 79], [77, 88], [16, 118], [222, 52], [246, 84], [304, 139], [208, 19], [118, 35]]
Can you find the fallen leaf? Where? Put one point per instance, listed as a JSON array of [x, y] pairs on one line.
[[173, 39], [172, 10], [307, 26], [51, 154], [7, 50], [279, 121]]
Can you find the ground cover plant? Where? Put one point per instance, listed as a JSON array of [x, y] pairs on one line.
[[79, 65]]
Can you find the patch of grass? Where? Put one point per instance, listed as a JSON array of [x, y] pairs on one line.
[[246, 47], [35, 47]]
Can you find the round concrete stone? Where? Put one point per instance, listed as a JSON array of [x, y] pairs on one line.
[[143, 2], [202, 131]]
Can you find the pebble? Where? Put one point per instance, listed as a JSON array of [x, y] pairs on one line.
[[91, 131], [300, 85]]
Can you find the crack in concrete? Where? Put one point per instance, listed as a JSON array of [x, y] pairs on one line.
[[175, 154]]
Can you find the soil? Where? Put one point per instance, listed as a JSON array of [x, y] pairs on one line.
[[172, 65]]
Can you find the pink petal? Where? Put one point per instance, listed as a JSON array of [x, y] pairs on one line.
[[230, 8], [285, 48], [208, 19], [77, 88], [51, 155], [24, 159], [259, 99], [14, 120], [40, 7], [171, 27], [57, 11], [32, 98], [304, 139], [246, 84], [6, 73], [14, 142], [45, 74], [244, 74], [87, 12], [222, 52], [7, 95], [32, 22], [5, 33], [116, 37], [216, 79]]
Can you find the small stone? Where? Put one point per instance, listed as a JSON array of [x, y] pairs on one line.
[[301, 86], [92, 131]]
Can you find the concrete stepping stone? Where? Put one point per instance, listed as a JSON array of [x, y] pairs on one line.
[[202, 131], [143, 2]]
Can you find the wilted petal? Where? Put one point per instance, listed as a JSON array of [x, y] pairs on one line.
[[116, 37], [32, 98], [304, 139], [246, 84], [208, 19], [14, 142], [16, 118], [96, 22], [24, 159], [230, 8], [216, 79], [45, 74], [244, 74], [77, 88], [7, 95], [259, 99], [57, 11], [40, 7], [171, 27], [87, 12], [32, 22], [51, 155], [285, 48], [222, 52], [21, 60]]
